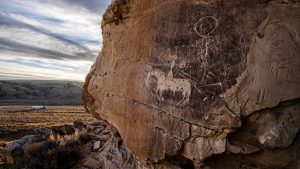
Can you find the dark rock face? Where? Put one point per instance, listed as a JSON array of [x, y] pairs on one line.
[[203, 46], [186, 80]]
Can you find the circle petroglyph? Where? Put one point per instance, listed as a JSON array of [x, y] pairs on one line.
[[206, 26]]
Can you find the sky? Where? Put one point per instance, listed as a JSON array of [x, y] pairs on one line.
[[49, 39]]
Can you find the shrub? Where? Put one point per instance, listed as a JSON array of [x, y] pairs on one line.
[[5, 161], [57, 152]]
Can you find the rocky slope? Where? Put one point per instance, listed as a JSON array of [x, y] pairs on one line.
[[200, 83], [40, 92], [58, 147]]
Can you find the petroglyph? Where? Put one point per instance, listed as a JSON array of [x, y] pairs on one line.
[[172, 73], [167, 83], [203, 46], [206, 26]]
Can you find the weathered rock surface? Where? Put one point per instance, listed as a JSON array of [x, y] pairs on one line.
[[186, 80]]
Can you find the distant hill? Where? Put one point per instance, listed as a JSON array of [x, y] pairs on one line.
[[40, 92]]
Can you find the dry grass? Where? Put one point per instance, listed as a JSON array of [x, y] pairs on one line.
[[14, 119], [18, 121], [5, 160], [56, 152]]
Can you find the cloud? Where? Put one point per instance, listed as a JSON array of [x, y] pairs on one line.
[[27, 50], [16, 34], [19, 67], [23, 38], [61, 30], [93, 6]]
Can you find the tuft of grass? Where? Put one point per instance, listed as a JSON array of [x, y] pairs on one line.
[[55, 152], [5, 160], [54, 155]]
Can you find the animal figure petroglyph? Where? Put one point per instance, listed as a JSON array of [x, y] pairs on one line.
[[165, 83]]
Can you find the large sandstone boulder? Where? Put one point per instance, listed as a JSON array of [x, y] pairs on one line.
[[184, 80]]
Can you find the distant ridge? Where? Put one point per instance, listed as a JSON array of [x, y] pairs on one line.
[[46, 92]]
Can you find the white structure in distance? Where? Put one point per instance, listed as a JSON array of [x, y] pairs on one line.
[[38, 107]]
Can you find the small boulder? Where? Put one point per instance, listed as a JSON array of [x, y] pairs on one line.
[[15, 148], [63, 130], [96, 145], [43, 131]]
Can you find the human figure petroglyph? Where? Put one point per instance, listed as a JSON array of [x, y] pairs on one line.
[[206, 26]]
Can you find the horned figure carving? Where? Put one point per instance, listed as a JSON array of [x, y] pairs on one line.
[[167, 83]]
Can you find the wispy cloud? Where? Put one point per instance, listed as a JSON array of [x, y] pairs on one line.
[[31, 68], [49, 32]]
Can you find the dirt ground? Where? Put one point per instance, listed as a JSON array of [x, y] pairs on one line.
[[17, 121]]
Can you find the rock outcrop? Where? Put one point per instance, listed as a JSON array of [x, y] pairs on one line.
[[93, 146], [189, 83]]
